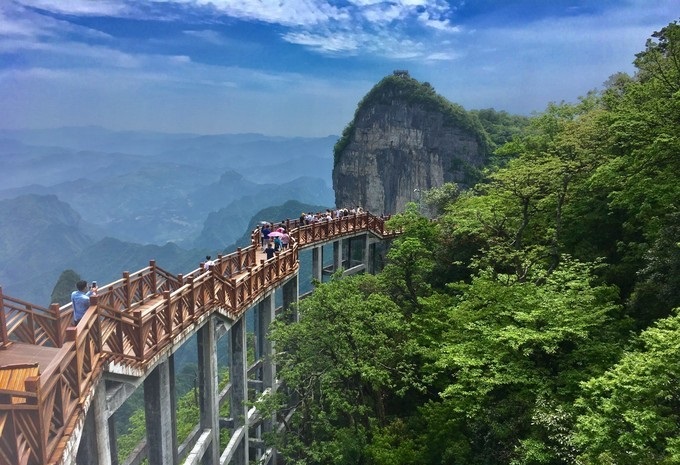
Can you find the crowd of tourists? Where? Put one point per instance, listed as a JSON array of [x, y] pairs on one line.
[[276, 238], [328, 215]]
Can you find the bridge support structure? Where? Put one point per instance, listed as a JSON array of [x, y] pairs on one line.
[[317, 263], [238, 402], [95, 447], [159, 404], [201, 307], [208, 391]]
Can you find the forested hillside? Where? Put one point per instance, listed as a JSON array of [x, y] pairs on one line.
[[534, 322]]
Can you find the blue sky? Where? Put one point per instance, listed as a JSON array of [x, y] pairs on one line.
[[300, 67]]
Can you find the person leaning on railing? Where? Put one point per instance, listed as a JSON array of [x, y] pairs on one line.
[[81, 299]]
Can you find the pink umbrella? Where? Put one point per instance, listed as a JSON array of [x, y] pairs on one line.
[[275, 234]]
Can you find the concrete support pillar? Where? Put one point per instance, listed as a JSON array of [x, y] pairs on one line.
[[337, 254], [159, 412], [208, 390], [266, 314], [372, 257], [367, 255], [291, 295], [239, 387], [173, 406], [113, 439], [95, 447], [317, 263]]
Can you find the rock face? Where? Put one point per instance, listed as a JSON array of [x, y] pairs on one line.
[[404, 139]]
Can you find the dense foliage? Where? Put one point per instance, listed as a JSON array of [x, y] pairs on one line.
[[534, 321]]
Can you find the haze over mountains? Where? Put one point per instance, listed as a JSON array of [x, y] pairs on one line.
[[101, 202]]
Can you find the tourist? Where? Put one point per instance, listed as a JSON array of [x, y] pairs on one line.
[[269, 251], [81, 299], [265, 235]]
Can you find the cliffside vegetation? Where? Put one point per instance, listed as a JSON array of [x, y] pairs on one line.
[[534, 322], [401, 89]]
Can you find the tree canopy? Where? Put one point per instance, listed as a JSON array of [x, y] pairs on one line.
[[534, 321]]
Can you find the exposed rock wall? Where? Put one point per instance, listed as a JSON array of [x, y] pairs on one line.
[[398, 146]]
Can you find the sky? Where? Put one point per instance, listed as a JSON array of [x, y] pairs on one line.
[[300, 67]]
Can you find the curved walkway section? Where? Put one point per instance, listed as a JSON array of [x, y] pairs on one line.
[[129, 324]]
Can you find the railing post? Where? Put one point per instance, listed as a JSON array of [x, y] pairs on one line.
[[261, 276], [60, 329], [168, 314], [72, 336], [4, 337], [32, 384], [232, 296], [192, 298], [128, 289], [154, 277], [219, 264], [139, 346]]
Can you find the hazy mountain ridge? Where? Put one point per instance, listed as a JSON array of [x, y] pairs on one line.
[[38, 231], [226, 225], [59, 240], [166, 186], [62, 191]]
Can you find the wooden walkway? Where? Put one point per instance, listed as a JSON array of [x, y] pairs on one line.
[[130, 322]]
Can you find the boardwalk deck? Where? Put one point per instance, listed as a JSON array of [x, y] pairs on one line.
[[131, 321], [20, 352]]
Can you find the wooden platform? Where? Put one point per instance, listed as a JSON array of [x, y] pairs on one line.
[[20, 352]]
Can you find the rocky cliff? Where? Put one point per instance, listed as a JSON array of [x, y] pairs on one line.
[[405, 139]]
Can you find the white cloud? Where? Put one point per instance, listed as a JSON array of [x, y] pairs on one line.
[[326, 43], [442, 56], [284, 12], [79, 7], [376, 27], [438, 24]]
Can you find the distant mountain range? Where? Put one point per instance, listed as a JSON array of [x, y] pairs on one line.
[[102, 202]]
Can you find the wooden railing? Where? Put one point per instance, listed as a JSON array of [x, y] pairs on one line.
[[131, 321]]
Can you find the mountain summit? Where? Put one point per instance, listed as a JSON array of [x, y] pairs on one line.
[[405, 138]]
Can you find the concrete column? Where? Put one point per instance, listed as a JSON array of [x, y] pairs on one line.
[[208, 390], [337, 254], [173, 406], [239, 386], [266, 314], [317, 263], [158, 403], [372, 258], [113, 439], [367, 254], [291, 295], [94, 446]]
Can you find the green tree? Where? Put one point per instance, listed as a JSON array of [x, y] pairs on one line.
[[630, 414], [438, 198], [342, 364], [516, 355], [640, 177]]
